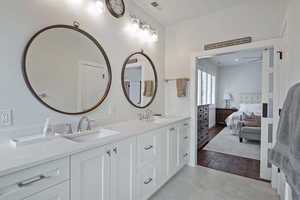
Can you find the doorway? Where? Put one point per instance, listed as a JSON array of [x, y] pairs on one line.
[[267, 101], [230, 106]]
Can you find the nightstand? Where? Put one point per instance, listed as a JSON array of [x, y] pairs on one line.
[[223, 113]]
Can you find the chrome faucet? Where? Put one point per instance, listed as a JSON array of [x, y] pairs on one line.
[[146, 115], [79, 127]]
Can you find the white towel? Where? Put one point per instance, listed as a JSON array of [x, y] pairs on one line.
[[286, 153]]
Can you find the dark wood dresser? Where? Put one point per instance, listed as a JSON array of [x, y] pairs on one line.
[[222, 114], [203, 125]]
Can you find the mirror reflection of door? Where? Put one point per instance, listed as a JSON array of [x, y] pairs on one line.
[[91, 82], [133, 82], [67, 69]]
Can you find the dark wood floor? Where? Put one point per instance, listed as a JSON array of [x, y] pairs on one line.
[[228, 163]]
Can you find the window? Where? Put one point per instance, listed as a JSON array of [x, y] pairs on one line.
[[206, 88], [213, 89]]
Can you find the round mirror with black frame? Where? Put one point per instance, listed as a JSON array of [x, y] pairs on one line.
[[139, 80], [67, 69]]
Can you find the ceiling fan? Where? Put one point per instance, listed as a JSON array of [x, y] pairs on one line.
[[254, 59]]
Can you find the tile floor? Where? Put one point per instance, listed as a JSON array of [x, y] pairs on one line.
[[201, 183]]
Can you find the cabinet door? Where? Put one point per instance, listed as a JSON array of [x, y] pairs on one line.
[[123, 170], [59, 192], [90, 175], [173, 150]]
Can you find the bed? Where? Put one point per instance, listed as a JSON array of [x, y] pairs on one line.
[[250, 104]]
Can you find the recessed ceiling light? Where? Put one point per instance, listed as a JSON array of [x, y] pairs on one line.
[[236, 60]]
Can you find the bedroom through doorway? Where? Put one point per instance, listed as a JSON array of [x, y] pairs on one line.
[[234, 106]]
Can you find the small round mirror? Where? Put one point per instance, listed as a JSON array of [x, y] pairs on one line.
[[67, 69], [139, 80]]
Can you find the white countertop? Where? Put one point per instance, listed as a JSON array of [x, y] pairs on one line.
[[13, 159]]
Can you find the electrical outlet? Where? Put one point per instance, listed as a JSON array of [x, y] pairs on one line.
[[5, 117]]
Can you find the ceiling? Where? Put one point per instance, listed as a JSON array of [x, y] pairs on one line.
[[173, 11], [237, 58]]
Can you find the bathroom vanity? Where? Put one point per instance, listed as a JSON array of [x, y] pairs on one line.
[[130, 165]]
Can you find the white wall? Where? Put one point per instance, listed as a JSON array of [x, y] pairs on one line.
[[292, 46], [21, 19], [238, 79], [261, 20]]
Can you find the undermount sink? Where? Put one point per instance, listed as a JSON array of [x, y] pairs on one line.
[[89, 136]]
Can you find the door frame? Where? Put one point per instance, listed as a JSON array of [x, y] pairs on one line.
[[273, 43]]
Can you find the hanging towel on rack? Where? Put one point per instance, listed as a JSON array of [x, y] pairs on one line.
[[286, 153], [148, 88], [181, 84]]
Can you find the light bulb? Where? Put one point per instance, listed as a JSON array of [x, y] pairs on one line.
[[99, 6], [134, 26], [96, 8], [145, 34], [154, 37]]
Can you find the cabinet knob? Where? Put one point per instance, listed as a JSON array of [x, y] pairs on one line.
[[172, 129], [186, 137], [108, 153], [115, 150], [149, 180], [147, 148], [186, 124], [185, 155]]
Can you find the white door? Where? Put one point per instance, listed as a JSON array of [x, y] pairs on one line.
[[123, 173], [92, 82], [268, 112], [90, 172], [172, 151], [59, 192]]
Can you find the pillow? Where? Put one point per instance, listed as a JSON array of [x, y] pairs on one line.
[[251, 108], [255, 108], [247, 117]]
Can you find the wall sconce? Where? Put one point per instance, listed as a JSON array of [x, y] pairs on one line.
[[142, 30]]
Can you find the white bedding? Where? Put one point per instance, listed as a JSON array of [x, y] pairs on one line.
[[233, 120]]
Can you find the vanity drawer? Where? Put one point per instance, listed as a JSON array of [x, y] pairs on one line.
[[149, 147], [146, 182], [24, 183]]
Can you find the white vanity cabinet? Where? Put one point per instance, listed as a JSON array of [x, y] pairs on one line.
[[133, 168], [106, 173]]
